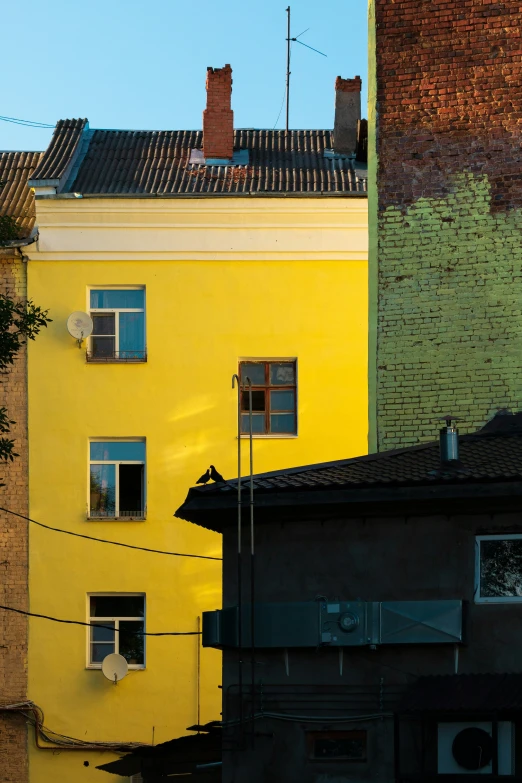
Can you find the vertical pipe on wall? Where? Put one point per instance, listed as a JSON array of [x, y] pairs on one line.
[[198, 686], [235, 378], [494, 737], [252, 557]]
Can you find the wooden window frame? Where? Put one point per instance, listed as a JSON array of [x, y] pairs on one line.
[[267, 388]]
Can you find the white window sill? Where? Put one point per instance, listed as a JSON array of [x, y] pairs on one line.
[[508, 599], [135, 667], [268, 436], [116, 519]]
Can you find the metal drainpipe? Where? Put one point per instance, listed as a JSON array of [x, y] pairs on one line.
[[252, 560], [235, 378]]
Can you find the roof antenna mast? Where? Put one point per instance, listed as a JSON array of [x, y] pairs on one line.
[[289, 40]]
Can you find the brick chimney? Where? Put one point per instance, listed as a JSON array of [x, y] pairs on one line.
[[218, 117], [347, 114]]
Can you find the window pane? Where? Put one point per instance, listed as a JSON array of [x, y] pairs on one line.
[[501, 568], [117, 606], [103, 490], [103, 324], [131, 490], [258, 401], [333, 747], [282, 373], [282, 422], [131, 643], [102, 633], [256, 373], [132, 335], [111, 298], [100, 651], [118, 450], [258, 422], [103, 347], [282, 400]]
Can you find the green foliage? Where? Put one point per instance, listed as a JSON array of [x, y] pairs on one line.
[[9, 228], [501, 568], [19, 322]]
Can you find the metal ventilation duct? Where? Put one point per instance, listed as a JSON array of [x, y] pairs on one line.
[[337, 624]]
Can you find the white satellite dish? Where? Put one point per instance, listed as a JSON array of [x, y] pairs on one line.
[[114, 667], [79, 326]]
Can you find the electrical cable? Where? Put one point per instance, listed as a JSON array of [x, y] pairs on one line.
[[27, 123], [312, 718], [62, 741], [280, 110], [106, 541], [99, 625]]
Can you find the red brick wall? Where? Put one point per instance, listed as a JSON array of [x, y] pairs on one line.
[[218, 117], [449, 81], [348, 85], [13, 549], [449, 222]]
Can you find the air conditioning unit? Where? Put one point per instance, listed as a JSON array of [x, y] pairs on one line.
[[466, 748]]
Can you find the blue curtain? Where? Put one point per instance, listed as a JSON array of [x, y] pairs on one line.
[[132, 335]]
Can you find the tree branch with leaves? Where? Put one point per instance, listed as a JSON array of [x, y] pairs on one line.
[[19, 322]]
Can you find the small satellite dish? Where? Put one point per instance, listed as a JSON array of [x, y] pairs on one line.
[[115, 667], [79, 326]]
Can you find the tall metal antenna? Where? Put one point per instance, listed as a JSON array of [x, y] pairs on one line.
[[289, 39]]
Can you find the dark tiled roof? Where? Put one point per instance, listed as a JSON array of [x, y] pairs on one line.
[[60, 152], [123, 162], [465, 693], [16, 197], [177, 755], [493, 453]]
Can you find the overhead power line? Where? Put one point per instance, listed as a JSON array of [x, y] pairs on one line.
[[99, 625], [107, 541], [27, 123]]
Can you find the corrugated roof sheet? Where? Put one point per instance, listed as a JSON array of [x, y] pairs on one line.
[[59, 153], [16, 197], [464, 693], [125, 162]]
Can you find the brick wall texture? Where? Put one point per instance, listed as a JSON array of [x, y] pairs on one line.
[[13, 549], [218, 117], [449, 122]]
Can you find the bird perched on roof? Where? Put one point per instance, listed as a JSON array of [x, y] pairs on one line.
[[204, 478], [215, 476]]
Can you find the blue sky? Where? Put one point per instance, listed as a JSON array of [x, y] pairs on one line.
[[136, 64]]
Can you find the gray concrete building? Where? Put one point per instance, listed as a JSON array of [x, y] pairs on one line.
[[387, 614]]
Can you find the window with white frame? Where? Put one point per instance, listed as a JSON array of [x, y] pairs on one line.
[[498, 570], [118, 316], [117, 479], [117, 624]]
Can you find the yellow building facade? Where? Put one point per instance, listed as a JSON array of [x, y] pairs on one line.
[[120, 431]]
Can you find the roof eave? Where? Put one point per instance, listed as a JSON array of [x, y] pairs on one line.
[[249, 194], [215, 512]]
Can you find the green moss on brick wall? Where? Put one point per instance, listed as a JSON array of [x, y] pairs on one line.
[[446, 283], [450, 312]]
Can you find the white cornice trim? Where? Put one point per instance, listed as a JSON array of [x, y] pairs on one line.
[[297, 256]]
